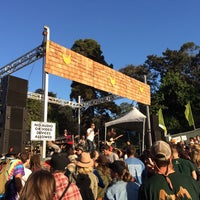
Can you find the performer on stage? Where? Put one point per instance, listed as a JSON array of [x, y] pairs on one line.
[[90, 137]]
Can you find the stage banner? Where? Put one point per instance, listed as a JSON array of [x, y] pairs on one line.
[[68, 64]]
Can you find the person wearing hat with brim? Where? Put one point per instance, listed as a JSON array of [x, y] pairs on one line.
[[86, 179], [123, 186], [58, 163], [166, 183]]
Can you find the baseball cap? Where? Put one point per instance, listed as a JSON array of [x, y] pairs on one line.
[[161, 151]]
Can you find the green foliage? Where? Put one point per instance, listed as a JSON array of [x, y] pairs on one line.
[[177, 72]]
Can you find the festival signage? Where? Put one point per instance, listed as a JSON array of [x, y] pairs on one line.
[[41, 131]]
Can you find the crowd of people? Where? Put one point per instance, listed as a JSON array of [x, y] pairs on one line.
[[168, 170]]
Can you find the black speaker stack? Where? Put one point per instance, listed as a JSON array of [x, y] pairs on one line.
[[13, 113]]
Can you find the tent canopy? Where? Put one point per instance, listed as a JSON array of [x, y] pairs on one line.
[[131, 121]]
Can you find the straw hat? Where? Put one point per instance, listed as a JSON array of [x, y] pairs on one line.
[[84, 160]]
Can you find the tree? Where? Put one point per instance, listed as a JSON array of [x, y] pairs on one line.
[[177, 74], [99, 114]]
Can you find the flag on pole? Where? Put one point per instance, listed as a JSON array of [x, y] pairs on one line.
[[161, 122], [188, 114]]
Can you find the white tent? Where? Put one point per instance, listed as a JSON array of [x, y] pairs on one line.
[[134, 121]]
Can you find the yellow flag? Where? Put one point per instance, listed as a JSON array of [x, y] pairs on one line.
[[161, 122], [188, 114]]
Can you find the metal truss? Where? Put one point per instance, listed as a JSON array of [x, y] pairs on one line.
[[100, 100], [53, 100], [23, 61], [34, 55]]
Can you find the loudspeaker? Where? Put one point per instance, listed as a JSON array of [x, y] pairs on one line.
[[14, 91], [12, 138], [155, 129], [13, 129], [13, 113], [15, 118]]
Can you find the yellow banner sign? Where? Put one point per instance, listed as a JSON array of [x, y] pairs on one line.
[[68, 64]]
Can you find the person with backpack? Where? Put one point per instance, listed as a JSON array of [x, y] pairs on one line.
[[10, 176], [166, 183]]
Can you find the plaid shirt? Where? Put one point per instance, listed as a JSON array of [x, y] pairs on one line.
[[72, 193]]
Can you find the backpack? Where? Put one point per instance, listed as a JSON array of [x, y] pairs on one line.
[[4, 175]]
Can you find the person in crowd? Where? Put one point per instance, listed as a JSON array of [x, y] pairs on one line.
[[166, 183], [25, 158], [111, 156], [79, 150], [119, 152], [182, 165], [135, 165], [71, 168], [149, 164], [86, 179], [195, 158], [102, 172], [82, 141], [68, 137], [14, 174], [94, 154], [58, 165], [90, 137], [40, 185], [53, 146], [124, 149], [35, 162], [123, 186]]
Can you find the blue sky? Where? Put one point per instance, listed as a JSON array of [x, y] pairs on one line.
[[128, 31]]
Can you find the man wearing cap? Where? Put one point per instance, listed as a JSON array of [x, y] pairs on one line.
[[166, 183], [58, 164]]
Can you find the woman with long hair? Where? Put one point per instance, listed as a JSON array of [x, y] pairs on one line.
[[40, 185]]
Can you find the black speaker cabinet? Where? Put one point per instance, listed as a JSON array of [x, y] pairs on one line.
[[14, 118], [14, 91], [12, 129], [12, 138], [13, 113]]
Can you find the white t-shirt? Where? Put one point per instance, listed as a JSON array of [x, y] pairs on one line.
[[27, 174], [90, 134]]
